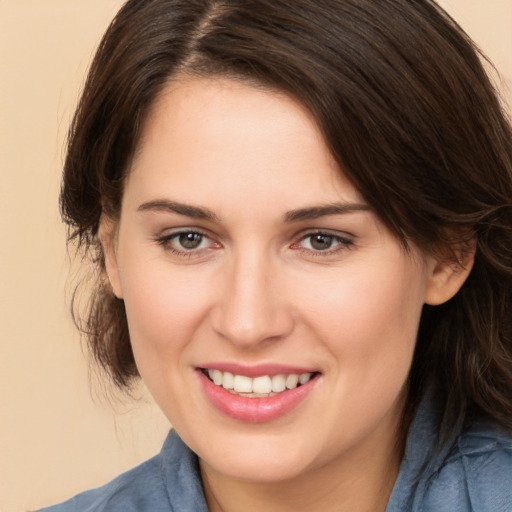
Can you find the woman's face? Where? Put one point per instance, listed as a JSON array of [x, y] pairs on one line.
[[242, 251]]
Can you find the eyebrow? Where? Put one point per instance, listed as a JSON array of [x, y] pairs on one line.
[[301, 214], [187, 210], [315, 212]]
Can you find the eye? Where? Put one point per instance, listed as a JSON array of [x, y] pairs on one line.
[[189, 240], [322, 243], [186, 242]]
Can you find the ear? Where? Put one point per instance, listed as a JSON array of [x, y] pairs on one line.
[[447, 275], [107, 234]]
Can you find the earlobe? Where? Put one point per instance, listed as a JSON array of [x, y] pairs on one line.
[[446, 276], [107, 236]]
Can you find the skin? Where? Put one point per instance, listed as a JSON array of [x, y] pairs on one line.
[[257, 289]]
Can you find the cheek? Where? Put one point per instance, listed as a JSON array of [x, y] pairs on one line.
[[165, 312], [370, 314], [164, 309]]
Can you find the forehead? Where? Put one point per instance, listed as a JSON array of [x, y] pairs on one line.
[[215, 134]]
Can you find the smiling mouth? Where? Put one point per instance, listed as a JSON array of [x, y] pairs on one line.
[[258, 387]]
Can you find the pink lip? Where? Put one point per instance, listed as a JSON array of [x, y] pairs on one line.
[[255, 410]]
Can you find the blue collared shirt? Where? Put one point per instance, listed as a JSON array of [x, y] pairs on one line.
[[472, 473]]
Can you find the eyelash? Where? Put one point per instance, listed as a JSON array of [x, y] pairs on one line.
[[341, 243], [166, 242]]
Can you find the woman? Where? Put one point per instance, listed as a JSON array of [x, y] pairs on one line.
[[301, 215]]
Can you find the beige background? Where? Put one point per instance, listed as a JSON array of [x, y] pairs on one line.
[[57, 435]]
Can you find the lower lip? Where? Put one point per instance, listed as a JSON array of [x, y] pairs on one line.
[[255, 410]]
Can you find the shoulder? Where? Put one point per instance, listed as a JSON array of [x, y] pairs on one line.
[[169, 482], [141, 488], [475, 475]]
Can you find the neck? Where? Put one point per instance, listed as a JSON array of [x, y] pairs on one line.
[[362, 481]]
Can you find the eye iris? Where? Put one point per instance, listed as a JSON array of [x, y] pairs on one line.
[[321, 242], [190, 240]]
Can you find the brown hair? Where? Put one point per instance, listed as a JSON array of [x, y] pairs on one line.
[[407, 110]]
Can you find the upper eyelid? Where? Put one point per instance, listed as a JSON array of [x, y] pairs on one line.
[[302, 234], [168, 242], [343, 236], [339, 238], [344, 239], [172, 232], [167, 236]]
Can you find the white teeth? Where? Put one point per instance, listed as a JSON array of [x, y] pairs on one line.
[[292, 380], [278, 383], [262, 385], [228, 382], [304, 378], [242, 384], [217, 377]]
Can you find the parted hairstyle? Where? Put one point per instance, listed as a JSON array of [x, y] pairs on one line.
[[401, 96]]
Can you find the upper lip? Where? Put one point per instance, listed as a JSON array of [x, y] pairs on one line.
[[256, 370]]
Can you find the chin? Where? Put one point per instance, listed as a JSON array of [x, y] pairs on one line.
[[257, 458], [258, 471]]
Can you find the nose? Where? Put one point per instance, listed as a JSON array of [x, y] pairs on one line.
[[251, 308]]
